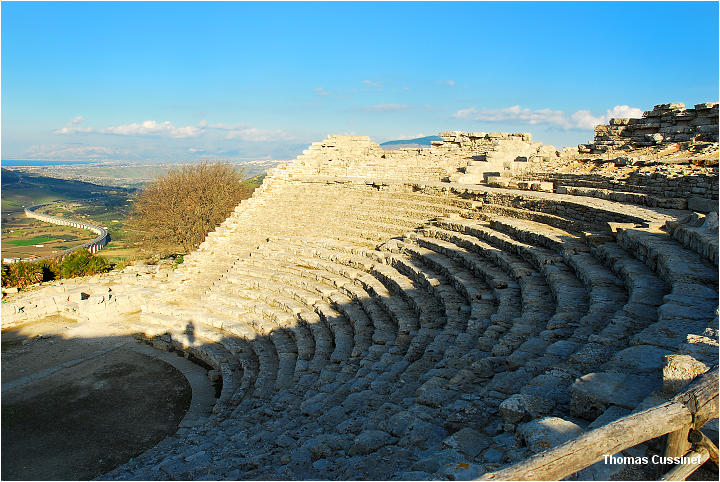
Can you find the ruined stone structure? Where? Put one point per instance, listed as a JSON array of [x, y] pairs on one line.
[[666, 123], [102, 239], [389, 315]]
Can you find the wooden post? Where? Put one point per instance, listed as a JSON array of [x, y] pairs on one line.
[[677, 443]]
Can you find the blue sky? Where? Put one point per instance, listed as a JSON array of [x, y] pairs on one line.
[[186, 80]]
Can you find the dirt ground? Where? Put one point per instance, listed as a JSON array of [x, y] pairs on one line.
[[75, 408]]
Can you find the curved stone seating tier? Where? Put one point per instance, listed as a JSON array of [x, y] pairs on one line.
[[639, 198], [698, 232], [381, 329], [306, 211]]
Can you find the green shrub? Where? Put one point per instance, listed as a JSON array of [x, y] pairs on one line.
[[21, 274], [178, 260], [82, 263], [77, 263], [5, 278]]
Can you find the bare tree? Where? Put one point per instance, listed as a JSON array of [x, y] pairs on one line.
[[183, 206]]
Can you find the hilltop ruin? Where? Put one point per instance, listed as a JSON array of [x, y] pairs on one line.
[[434, 313]]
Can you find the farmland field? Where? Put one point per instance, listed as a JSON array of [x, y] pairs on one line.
[[29, 238]]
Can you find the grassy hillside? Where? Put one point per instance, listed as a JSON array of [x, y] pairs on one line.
[[21, 189], [254, 182]]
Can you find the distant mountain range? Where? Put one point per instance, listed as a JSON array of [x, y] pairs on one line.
[[410, 143]]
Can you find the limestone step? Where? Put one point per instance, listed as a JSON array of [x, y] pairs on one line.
[[699, 233], [570, 296], [312, 338]]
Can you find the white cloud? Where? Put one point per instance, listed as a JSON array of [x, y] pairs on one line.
[[321, 91], [227, 127], [446, 82], [154, 128], [582, 119], [146, 128], [73, 126], [371, 83], [216, 133], [386, 107], [258, 135], [624, 111]]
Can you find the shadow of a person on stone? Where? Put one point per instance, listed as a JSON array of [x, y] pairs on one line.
[[190, 331]]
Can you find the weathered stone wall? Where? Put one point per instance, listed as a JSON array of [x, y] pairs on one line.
[[102, 296], [668, 186], [666, 123], [460, 156]]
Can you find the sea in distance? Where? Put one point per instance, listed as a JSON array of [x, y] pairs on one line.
[[35, 162]]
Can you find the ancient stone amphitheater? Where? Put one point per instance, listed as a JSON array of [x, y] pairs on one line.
[[435, 313]]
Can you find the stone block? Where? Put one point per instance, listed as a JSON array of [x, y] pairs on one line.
[[655, 138], [544, 186], [547, 432], [369, 441], [593, 393], [462, 471], [422, 433], [639, 359], [679, 370], [601, 470], [468, 441], [619, 122], [702, 205], [521, 408], [710, 429]]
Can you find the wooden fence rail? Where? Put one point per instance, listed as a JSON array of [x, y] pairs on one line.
[[686, 411]]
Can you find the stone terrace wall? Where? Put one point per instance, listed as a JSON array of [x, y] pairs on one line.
[[657, 184], [666, 123]]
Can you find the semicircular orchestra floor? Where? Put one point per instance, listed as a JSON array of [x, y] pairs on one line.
[[75, 408]]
